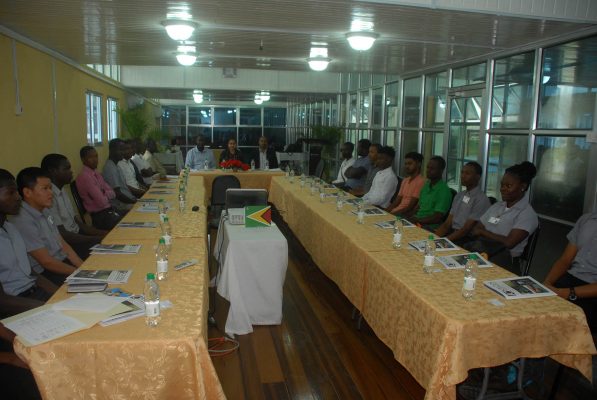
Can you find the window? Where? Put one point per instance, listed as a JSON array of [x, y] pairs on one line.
[[112, 118], [352, 110], [249, 136], [410, 142], [435, 100], [94, 118], [364, 107], [274, 117], [221, 136], [224, 116], [504, 151], [412, 99], [250, 116], [469, 75], [390, 116], [376, 106], [568, 85], [513, 91], [199, 115]]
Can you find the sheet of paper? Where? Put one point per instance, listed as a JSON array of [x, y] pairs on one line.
[[43, 326], [93, 302]]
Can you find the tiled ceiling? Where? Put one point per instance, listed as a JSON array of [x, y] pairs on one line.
[[271, 34]]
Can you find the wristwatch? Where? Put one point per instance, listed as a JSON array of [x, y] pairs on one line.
[[572, 295]]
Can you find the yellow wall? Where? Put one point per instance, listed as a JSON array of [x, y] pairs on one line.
[[28, 137]]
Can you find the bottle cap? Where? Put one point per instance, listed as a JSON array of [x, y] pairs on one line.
[[473, 257], [165, 219], [162, 240], [161, 200], [150, 276], [430, 237]]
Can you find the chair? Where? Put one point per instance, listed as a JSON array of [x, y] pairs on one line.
[[397, 190], [319, 168], [492, 200], [526, 258], [77, 199], [218, 197]]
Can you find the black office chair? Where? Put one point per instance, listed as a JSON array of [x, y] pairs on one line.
[[319, 168], [492, 200], [218, 197], [526, 258], [397, 190], [77, 199]]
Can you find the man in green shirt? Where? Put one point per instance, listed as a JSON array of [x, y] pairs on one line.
[[435, 198]]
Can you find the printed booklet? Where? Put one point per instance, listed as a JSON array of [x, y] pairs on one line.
[[458, 261], [441, 244], [518, 287]]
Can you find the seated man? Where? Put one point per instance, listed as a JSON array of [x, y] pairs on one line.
[[20, 289], [357, 173], [114, 177], [467, 207], [130, 173], [96, 194], [49, 254], [347, 160], [408, 196], [574, 275], [154, 163], [264, 153], [373, 151], [142, 165], [73, 229], [435, 197], [385, 181], [199, 155]]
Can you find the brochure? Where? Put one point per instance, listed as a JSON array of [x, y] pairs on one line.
[[390, 224], [99, 275], [138, 225], [354, 202], [458, 261], [160, 192], [369, 212], [115, 249], [136, 308], [441, 244], [86, 287], [518, 287]]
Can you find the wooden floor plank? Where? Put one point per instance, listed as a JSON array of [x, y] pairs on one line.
[[266, 356]]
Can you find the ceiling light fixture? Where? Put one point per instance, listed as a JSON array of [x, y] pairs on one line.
[[318, 58], [186, 59], [265, 96], [361, 41], [258, 100], [198, 96], [179, 29]]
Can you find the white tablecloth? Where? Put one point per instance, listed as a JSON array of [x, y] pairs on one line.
[[253, 268]]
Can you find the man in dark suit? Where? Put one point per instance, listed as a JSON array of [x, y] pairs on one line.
[[265, 153]]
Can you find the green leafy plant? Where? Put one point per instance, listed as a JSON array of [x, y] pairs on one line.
[[134, 122], [331, 137]]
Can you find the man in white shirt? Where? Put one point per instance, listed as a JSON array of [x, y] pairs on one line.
[[385, 181], [346, 152], [198, 156], [128, 171], [73, 229], [142, 165]]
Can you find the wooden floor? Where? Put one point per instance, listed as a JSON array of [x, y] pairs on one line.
[[317, 352]]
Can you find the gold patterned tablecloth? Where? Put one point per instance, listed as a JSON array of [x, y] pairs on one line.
[[423, 318], [248, 179]]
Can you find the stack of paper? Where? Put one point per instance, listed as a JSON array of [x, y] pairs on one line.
[[137, 225], [99, 275], [390, 224], [115, 249], [370, 212], [441, 244]]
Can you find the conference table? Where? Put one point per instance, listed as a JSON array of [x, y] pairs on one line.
[[130, 360], [431, 329], [251, 179]]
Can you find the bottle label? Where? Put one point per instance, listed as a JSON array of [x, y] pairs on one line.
[[162, 217], [152, 309], [469, 283], [162, 266], [167, 240], [429, 261], [397, 237]]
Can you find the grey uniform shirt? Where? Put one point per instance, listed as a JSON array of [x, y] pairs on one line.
[[364, 162], [38, 231], [500, 220], [584, 236], [62, 210], [114, 178], [468, 205], [15, 270]]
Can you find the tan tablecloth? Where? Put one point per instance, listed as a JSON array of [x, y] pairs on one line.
[[248, 179], [432, 330]]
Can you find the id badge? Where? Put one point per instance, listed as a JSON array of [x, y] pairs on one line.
[[494, 220], [466, 199]]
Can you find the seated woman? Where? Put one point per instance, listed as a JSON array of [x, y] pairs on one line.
[[232, 152], [507, 224]]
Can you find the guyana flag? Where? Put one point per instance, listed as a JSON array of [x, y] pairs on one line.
[[258, 216]]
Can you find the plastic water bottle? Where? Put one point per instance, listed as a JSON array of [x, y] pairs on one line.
[[167, 233], [182, 202], [162, 260], [206, 164], [360, 214], [339, 202], [313, 187], [266, 165], [291, 174], [287, 172], [151, 294], [429, 255], [398, 230], [252, 165], [162, 210], [322, 193], [470, 277]]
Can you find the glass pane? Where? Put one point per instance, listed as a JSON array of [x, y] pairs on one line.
[[365, 81], [174, 115], [568, 85], [376, 136], [513, 91], [412, 99], [376, 106], [316, 110], [97, 118], [250, 116], [378, 79], [342, 113], [364, 109], [391, 116], [352, 110], [344, 82], [334, 113], [221, 136], [390, 138], [559, 188], [249, 136], [353, 82], [468, 75], [435, 100], [195, 131], [504, 151], [224, 116], [463, 143], [276, 137], [200, 115], [88, 113], [433, 143], [410, 142]]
